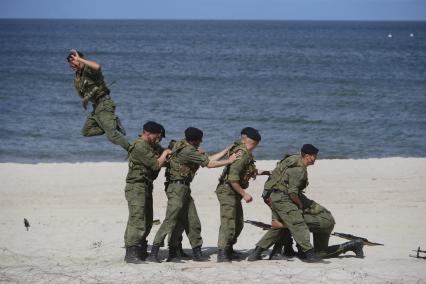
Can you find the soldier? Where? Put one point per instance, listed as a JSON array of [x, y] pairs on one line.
[[293, 209], [183, 164], [144, 165], [231, 189], [175, 239], [90, 86], [283, 247]]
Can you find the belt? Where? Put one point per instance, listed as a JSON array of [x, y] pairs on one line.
[[180, 182], [103, 98]]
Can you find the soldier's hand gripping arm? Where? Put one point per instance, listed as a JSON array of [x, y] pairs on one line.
[[230, 160], [237, 187], [220, 154], [163, 158], [92, 64]]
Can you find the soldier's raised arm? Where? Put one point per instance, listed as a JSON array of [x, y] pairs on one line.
[[92, 64], [221, 154], [163, 158], [216, 164]]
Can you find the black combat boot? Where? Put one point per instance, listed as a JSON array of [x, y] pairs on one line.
[[172, 254], [143, 254], [233, 254], [276, 253], [196, 254], [132, 255], [223, 255], [153, 257], [310, 256], [355, 246], [289, 251], [256, 254], [180, 251]]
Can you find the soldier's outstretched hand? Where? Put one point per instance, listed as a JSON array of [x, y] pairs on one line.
[[235, 156], [247, 198]]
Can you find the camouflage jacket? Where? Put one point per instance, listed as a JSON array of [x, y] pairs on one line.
[[143, 164], [290, 175], [241, 170], [184, 162], [90, 84]]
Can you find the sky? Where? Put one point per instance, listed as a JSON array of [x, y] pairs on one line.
[[376, 10]]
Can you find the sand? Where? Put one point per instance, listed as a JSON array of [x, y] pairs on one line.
[[78, 214]]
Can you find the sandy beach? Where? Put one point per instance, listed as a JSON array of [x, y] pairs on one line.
[[78, 213]]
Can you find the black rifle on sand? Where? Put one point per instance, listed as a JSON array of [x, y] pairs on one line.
[[265, 226], [418, 253], [352, 237], [259, 224]]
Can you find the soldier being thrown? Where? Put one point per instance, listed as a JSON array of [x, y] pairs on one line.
[[145, 161], [90, 86], [231, 189], [301, 215], [185, 160]]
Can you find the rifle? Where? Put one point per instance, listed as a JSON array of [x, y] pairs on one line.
[[261, 225], [352, 237], [418, 252]]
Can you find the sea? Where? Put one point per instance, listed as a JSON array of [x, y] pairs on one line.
[[355, 90]]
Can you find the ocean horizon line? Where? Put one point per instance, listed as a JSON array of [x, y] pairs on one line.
[[221, 20]]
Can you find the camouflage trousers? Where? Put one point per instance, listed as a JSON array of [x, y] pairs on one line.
[[139, 224], [300, 224], [181, 215], [231, 216], [103, 120]]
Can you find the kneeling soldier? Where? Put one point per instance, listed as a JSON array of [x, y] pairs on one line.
[[301, 215]]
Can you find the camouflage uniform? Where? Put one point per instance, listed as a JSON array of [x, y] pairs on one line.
[[291, 176], [181, 213], [231, 210], [91, 87], [143, 169]]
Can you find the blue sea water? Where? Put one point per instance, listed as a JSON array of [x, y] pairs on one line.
[[346, 87]]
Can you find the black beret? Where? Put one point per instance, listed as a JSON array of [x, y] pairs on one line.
[[253, 134], [245, 129], [152, 127], [193, 134], [163, 131], [309, 149]]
